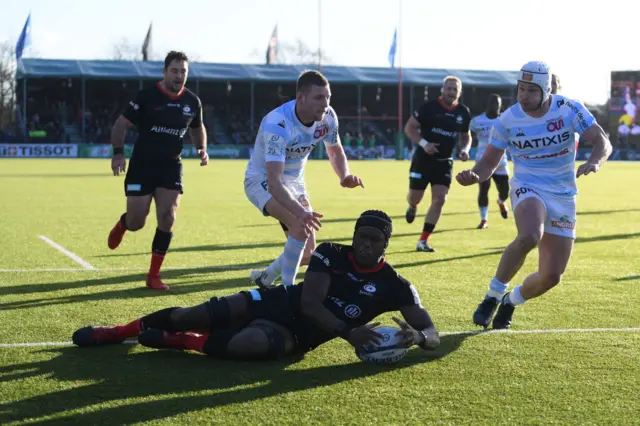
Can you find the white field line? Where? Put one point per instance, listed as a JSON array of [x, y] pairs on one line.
[[94, 269], [67, 253], [448, 333]]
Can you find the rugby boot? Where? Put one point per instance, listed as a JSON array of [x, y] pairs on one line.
[[503, 210], [261, 278], [485, 310], [155, 283], [424, 246], [116, 235], [95, 336], [483, 224], [410, 215], [503, 317]]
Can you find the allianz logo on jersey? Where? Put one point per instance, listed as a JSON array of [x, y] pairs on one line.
[[444, 132], [169, 131], [541, 142]]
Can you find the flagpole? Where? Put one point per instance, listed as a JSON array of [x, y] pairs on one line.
[[399, 50], [320, 35]]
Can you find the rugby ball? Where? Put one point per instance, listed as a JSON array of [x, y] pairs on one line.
[[385, 353]]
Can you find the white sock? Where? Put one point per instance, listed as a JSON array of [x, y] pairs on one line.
[[273, 271], [515, 297], [290, 260], [484, 212], [497, 288]]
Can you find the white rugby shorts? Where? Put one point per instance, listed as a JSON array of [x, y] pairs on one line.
[[257, 192], [561, 210]]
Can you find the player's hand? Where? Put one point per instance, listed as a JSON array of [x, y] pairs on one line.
[[431, 148], [467, 178], [351, 181], [586, 168], [410, 336], [204, 157], [464, 155], [364, 335], [310, 221], [118, 164]]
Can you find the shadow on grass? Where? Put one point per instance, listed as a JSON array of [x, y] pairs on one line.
[[168, 380]]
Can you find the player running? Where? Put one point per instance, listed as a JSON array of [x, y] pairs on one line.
[[435, 128], [162, 114], [344, 288], [274, 178], [481, 126], [539, 133]]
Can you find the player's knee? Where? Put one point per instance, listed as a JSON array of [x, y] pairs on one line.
[[298, 232], [528, 241], [249, 343], [166, 219], [439, 199], [192, 319], [135, 222]]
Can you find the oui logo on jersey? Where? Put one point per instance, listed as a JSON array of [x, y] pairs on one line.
[[321, 131], [555, 124]]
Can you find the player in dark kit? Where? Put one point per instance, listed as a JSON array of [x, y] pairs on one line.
[[344, 288], [162, 114], [436, 128]]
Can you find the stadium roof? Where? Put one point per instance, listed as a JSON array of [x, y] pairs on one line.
[[104, 69]]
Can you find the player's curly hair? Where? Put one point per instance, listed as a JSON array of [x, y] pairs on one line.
[[377, 219]]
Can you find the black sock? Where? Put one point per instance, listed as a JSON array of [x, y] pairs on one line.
[[428, 227], [123, 221], [161, 241], [160, 320]]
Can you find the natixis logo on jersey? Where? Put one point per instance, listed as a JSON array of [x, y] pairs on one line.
[[169, 131]]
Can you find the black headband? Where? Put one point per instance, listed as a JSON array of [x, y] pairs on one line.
[[375, 222]]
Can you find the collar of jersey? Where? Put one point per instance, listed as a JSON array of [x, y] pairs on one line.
[[299, 123], [173, 97], [365, 270], [445, 106]]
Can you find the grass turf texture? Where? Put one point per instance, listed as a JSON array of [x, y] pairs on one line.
[[567, 378]]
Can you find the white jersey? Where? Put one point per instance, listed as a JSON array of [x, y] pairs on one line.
[[481, 125], [543, 150], [283, 138]]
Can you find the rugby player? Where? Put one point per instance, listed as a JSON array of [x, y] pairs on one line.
[[344, 288], [436, 127], [539, 132]]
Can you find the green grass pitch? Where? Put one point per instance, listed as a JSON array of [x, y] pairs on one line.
[[575, 377]]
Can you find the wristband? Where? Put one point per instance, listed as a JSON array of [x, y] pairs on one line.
[[423, 143], [118, 150]]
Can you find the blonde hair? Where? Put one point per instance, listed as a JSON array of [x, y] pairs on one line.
[[452, 78]]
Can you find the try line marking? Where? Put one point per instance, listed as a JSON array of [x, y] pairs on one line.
[[94, 269], [449, 333], [67, 253]]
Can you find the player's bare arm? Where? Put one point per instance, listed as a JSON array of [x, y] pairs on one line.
[[340, 164], [418, 328], [483, 169], [198, 137], [412, 130], [464, 145], [118, 134], [595, 137], [314, 293]]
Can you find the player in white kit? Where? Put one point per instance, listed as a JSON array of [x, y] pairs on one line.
[[539, 133], [481, 125], [274, 179]]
